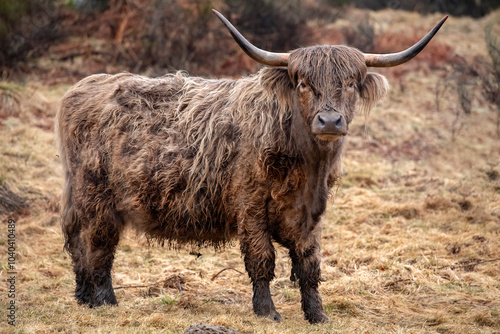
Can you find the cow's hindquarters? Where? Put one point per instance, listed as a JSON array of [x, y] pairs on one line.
[[90, 222]]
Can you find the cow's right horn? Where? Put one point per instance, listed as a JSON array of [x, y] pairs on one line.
[[394, 59], [262, 56]]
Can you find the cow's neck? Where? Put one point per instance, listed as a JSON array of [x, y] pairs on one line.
[[319, 159]]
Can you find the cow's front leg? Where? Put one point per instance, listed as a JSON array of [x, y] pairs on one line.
[[259, 255], [306, 268]]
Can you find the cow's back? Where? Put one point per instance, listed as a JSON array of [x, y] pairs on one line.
[[138, 146]]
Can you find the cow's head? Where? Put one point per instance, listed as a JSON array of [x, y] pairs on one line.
[[328, 80]]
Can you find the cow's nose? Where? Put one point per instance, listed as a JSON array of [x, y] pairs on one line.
[[332, 123], [335, 120]]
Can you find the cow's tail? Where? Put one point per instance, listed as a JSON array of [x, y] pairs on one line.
[[70, 223]]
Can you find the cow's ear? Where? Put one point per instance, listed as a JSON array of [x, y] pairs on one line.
[[373, 89]]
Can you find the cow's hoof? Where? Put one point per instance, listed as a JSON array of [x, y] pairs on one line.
[[318, 318], [110, 300], [270, 314], [274, 316]]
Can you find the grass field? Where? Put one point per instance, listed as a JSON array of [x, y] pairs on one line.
[[411, 240]]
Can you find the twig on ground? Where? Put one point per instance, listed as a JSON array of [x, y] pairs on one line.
[[131, 287], [469, 264], [215, 276]]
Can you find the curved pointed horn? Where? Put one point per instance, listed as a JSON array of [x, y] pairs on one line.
[[394, 59], [262, 56]]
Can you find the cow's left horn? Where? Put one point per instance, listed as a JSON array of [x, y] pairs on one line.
[[262, 56], [393, 59]]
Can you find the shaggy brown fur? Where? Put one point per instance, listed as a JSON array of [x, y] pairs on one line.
[[190, 160]]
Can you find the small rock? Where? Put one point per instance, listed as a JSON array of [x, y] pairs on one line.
[[210, 329]]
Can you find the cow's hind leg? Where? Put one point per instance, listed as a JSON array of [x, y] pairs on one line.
[[306, 268], [259, 255], [84, 288], [101, 239], [74, 245]]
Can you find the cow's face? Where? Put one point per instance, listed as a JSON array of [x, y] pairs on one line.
[[328, 81]]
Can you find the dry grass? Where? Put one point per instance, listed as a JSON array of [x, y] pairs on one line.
[[410, 245]]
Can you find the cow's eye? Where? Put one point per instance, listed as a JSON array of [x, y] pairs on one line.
[[301, 86], [351, 86]]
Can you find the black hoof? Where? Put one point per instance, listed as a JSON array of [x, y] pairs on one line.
[[318, 318], [274, 316], [269, 313], [102, 303]]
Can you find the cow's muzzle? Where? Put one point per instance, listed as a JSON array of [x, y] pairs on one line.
[[329, 125]]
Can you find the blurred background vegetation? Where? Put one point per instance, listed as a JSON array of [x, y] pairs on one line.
[[136, 35]]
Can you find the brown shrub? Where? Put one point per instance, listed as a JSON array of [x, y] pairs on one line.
[[10, 202]]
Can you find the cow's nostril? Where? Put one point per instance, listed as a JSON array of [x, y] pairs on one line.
[[321, 121], [338, 122]]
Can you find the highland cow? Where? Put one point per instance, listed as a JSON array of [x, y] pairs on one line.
[[190, 160]]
